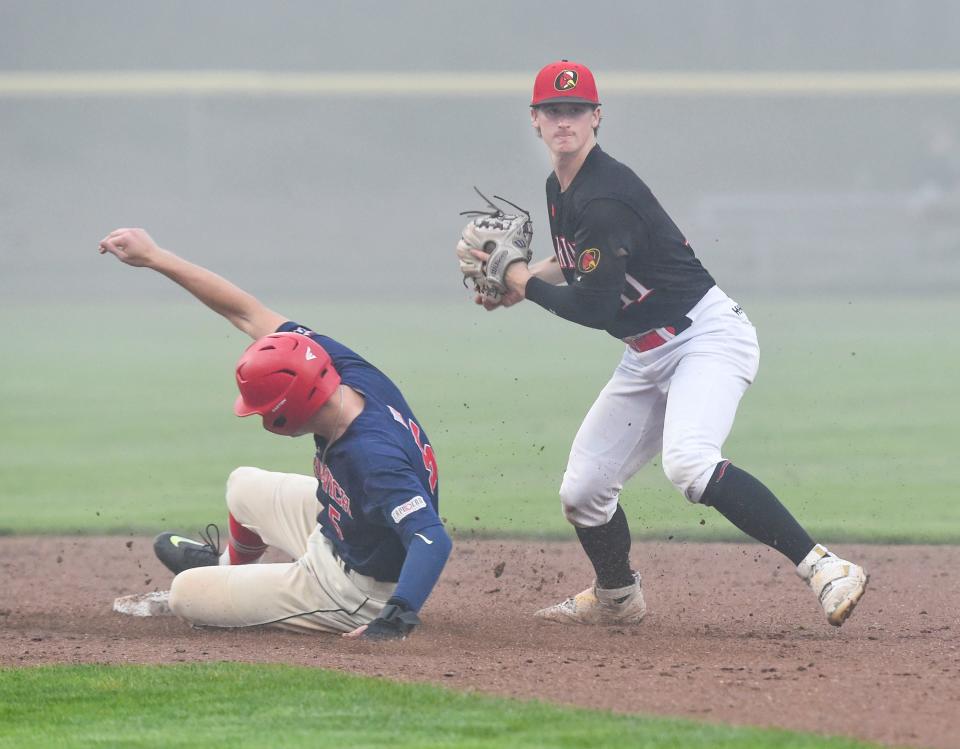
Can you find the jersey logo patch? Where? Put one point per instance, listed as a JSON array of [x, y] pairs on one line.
[[588, 260], [566, 80], [407, 508]]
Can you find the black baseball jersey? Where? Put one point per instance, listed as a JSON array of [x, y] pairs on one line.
[[628, 267]]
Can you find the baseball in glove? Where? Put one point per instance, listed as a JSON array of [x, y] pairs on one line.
[[506, 237]]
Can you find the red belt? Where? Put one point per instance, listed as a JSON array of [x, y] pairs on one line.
[[656, 337], [651, 339]]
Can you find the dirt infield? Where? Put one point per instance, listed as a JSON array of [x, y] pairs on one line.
[[731, 635]]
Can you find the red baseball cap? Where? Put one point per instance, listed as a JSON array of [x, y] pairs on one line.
[[565, 81]]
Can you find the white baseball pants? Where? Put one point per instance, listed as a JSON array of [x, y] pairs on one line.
[[679, 399]]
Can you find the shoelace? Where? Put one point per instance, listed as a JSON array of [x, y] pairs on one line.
[[207, 537]]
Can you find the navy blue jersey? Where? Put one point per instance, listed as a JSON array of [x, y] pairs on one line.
[[378, 484]]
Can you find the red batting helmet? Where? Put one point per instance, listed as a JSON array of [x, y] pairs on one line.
[[284, 377], [565, 81]]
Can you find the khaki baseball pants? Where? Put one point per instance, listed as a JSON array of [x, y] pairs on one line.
[[311, 593]]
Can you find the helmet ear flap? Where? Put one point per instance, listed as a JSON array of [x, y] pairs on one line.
[[286, 378]]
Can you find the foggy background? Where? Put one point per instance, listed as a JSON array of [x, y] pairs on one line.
[[351, 196]]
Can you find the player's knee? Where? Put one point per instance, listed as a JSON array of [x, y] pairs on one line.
[[201, 596], [689, 470], [572, 496], [180, 595], [241, 488], [586, 504]]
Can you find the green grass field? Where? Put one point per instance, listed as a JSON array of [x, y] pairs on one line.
[[117, 417], [234, 705]]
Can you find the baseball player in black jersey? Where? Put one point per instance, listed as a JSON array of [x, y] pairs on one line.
[[621, 265]]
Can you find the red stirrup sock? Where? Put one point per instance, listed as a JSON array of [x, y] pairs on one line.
[[245, 546]]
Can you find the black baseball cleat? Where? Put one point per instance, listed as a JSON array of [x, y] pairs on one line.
[[179, 553]]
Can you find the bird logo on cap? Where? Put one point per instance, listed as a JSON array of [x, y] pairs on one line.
[[565, 80]]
